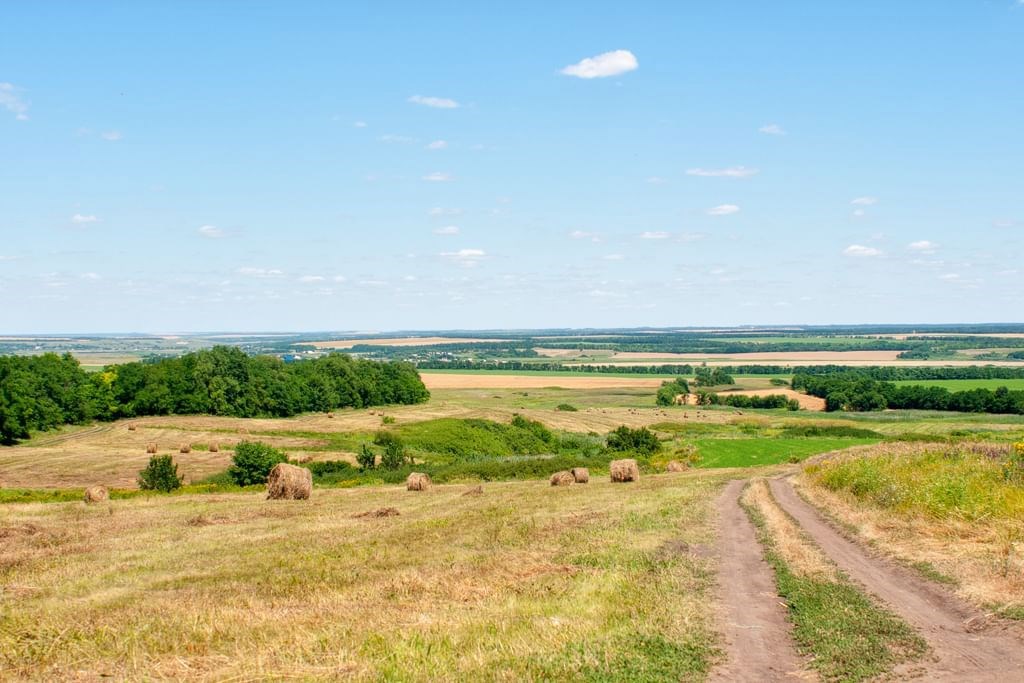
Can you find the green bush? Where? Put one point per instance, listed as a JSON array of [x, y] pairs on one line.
[[566, 407], [641, 440], [394, 456], [668, 391], [366, 458], [253, 461], [474, 439], [161, 474]]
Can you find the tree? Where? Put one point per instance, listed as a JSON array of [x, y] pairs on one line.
[[253, 461], [161, 474], [668, 391], [394, 456], [366, 458]]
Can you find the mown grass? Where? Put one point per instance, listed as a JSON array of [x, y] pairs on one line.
[[847, 635], [754, 452], [964, 384], [523, 582]]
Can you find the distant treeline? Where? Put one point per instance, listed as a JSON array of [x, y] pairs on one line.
[[43, 392], [856, 391], [773, 401], [898, 374]]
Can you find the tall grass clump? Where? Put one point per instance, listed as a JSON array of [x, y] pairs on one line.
[[967, 481]]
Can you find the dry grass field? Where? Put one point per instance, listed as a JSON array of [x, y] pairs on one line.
[[522, 582], [453, 380]]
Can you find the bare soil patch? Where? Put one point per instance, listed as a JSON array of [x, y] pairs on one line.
[[757, 634]]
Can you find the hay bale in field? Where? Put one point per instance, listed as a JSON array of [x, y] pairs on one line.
[[675, 466], [289, 482], [562, 478], [151, 448], [215, 447], [185, 448], [131, 428], [581, 475], [330, 415], [97, 494], [624, 470], [475, 491], [417, 481], [379, 512]]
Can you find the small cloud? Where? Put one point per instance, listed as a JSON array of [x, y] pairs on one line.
[[923, 247], [772, 129], [691, 237], [438, 144], [435, 102], [210, 232], [442, 211], [447, 230], [731, 172], [858, 213], [723, 210], [860, 250], [655, 180], [864, 201], [950, 277], [111, 135], [467, 258], [654, 235], [396, 139], [603, 65], [90, 276], [260, 272], [1004, 223], [438, 177], [311, 279], [584, 235], [80, 219], [359, 124], [12, 102], [339, 278]]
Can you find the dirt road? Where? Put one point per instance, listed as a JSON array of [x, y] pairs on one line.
[[758, 642], [966, 645]]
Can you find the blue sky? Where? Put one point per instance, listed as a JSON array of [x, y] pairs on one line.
[[195, 166]]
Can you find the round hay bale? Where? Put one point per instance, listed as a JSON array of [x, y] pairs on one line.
[[185, 448], [215, 447], [562, 478], [675, 466], [289, 482], [151, 448], [581, 475], [330, 416], [96, 494], [131, 428], [624, 470], [417, 481]]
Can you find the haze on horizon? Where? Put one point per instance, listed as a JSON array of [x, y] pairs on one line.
[[392, 166]]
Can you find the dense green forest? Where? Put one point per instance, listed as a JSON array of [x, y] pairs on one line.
[[857, 391], [43, 392]]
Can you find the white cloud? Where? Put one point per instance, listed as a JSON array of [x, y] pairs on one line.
[[339, 278], [731, 172], [466, 258], [438, 177], [655, 180], [442, 211], [771, 129], [691, 237], [359, 124], [399, 139], [584, 235], [923, 247], [437, 144], [603, 65], [260, 272], [950, 277], [10, 101], [310, 279], [1004, 223], [654, 235], [90, 276], [80, 219], [447, 230], [859, 213], [861, 250], [111, 135], [435, 102], [723, 210], [210, 232], [864, 201]]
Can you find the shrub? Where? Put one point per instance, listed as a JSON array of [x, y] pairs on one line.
[[668, 391], [533, 427], [394, 456], [387, 420], [253, 461], [566, 407], [161, 474], [641, 440], [366, 458]]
